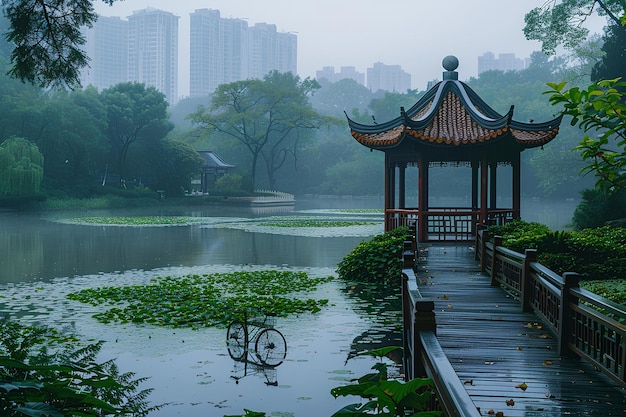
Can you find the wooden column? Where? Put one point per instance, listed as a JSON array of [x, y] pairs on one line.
[[484, 175], [474, 185], [402, 186], [389, 192], [517, 193], [493, 185], [422, 200]]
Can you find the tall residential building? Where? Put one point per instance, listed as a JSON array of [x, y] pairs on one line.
[[227, 50], [107, 47], [388, 78], [153, 50], [344, 72], [504, 62], [218, 51]]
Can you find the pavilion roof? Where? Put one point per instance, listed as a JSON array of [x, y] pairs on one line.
[[452, 114], [213, 160]]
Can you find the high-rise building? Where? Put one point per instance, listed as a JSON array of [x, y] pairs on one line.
[[388, 78], [153, 50], [107, 47], [218, 51], [504, 62], [227, 50], [344, 73]]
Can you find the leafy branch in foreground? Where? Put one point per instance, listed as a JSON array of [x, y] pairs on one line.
[[598, 109], [386, 397], [35, 381]]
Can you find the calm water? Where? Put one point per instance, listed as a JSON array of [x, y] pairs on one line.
[[43, 259]]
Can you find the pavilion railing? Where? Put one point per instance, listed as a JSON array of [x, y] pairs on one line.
[[446, 223], [586, 324]]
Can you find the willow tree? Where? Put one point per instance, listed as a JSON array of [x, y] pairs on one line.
[[21, 168]]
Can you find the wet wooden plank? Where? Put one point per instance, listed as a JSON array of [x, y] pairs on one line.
[[495, 349]]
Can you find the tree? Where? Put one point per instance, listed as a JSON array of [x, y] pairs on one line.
[[134, 112], [560, 22], [600, 110], [21, 168], [48, 40], [175, 163], [613, 64], [265, 116]]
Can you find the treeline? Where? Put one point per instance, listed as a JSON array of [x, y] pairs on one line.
[[281, 132]]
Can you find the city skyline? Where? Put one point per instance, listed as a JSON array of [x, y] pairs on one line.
[[358, 33]]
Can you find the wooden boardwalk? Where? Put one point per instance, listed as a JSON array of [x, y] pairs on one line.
[[506, 360]]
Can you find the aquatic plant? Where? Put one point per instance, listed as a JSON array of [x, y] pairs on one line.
[[137, 220], [315, 223], [206, 300]]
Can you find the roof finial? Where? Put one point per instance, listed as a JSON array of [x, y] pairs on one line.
[[450, 64]]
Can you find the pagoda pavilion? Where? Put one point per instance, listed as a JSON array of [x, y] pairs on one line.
[[451, 126]]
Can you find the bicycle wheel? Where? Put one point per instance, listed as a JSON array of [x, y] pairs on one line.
[[270, 347], [236, 337]]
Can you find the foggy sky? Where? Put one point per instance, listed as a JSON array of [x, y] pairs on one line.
[[415, 34]]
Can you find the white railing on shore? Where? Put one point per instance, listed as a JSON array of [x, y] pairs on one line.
[[273, 196]]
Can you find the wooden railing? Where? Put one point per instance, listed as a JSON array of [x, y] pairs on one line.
[[586, 324], [445, 224], [424, 356]]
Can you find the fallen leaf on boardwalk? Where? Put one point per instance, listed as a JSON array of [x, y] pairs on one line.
[[547, 363], [519, 348], [510, 402], [469, 382], [522, 386], [548, 395], [499, 414], [491, 412], [449, 305], [445, 297]]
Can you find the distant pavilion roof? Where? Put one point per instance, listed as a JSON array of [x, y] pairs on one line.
[[451, 114], [213, 160]]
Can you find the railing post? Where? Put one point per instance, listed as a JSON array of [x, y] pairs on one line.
[[570, 280], [406, 326], [497, 241], [423, 321], [530, 255], [483, 249]]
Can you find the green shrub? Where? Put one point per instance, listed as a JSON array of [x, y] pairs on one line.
[[598, 253], [378, 260]]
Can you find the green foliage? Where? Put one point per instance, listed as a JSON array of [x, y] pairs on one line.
[[614, 290], [598, 253], [205, 300], [134, 113], [229, 182], [377, 260], [598, 109], [386, 397], [43, 373], [598, 207], [48, 39], [21, 168], [561, 22]]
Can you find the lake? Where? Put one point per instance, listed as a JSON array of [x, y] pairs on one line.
[[45, 256]]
